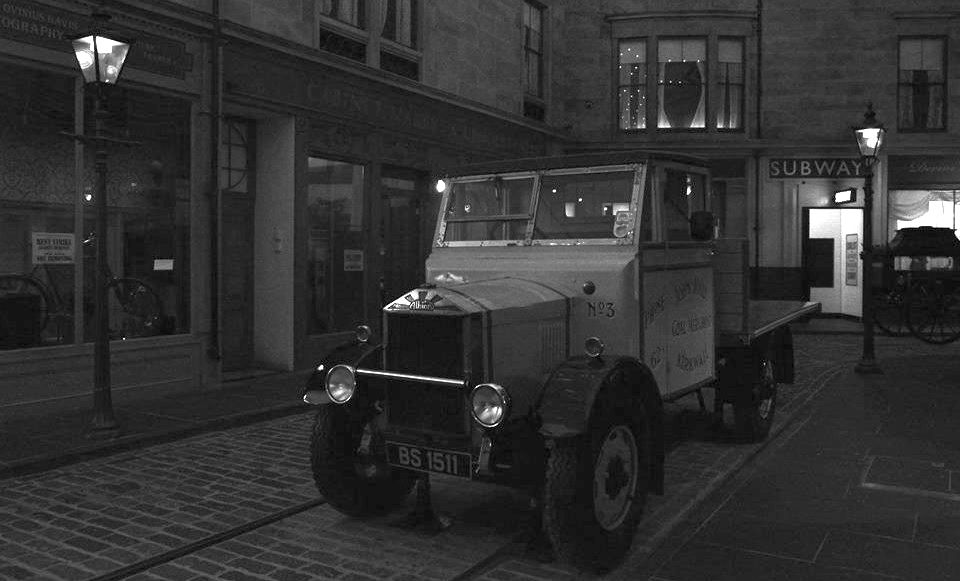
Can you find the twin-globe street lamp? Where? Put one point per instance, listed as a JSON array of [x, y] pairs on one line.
[[101, 59], [869, 136]]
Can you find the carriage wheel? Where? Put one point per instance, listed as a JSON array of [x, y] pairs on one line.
[[933, 313], [889, 313]]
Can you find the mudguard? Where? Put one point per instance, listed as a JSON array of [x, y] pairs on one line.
[[352, 353], [568, 395]]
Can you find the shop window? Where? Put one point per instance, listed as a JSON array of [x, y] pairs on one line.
[[730, 81], [922, 84], [913, 208], [148, 200], [533, 101], [335, 246], [47, 222], [682, 83], [633, 84]]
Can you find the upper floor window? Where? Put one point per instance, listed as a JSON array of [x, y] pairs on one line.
[[730, 80], [682, 83], [347, 11], [533, 61], [400, 21], [633, 84], [922, 84]]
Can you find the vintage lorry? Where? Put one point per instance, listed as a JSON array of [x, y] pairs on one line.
[[566, 299]]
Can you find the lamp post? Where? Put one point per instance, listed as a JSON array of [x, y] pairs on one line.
[[101, 59], [869, 136]]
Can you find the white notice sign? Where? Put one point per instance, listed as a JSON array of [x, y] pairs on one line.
[[53, 248]]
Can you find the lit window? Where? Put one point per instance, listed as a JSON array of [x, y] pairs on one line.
[[682, 83], [730, 73], [922, 84], [633, 84]]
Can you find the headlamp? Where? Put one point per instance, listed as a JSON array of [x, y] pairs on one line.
[[341, 383], [490, 404], [593, 346]]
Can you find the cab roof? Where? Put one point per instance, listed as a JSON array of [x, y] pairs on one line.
[[574, 160]]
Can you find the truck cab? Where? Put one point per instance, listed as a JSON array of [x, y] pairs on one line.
[[566, 298]]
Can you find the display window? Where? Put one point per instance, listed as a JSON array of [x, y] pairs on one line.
[[48, 192]]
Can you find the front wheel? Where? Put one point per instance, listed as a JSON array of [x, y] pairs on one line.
[[595, 488], [754, 412], [349, 462]]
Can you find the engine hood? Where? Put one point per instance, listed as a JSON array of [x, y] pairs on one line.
[[510, 299]]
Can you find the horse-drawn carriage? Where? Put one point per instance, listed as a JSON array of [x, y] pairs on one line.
[[919, 291]]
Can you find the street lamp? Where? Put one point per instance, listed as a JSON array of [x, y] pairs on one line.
[[101, 59], [869, 136]]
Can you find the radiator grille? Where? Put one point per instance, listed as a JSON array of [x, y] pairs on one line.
[[425, 345]]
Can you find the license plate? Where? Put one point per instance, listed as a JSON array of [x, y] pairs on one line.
[[428, 459]]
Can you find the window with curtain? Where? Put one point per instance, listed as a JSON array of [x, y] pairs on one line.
[[400, 21], [911, 208], [730, 81], [682, 83], [922, 84], [632, 71], [347, 11]]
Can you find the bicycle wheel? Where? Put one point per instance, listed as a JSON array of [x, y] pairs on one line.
[[933, 313], [135, 309], [888, 313], [23, 323]]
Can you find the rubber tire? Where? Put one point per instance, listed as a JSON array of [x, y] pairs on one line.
[[342, 476], [569, 519], [753, 419]]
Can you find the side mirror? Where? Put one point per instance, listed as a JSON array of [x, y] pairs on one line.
[[702, 225]]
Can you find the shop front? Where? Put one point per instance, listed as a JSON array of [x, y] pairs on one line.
[[924, 191], [48, 193], [809, 238], [338, 197]]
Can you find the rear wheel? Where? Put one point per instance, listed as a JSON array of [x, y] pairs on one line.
[[349, 462], [754, 412], [933, 313], [596, 486]]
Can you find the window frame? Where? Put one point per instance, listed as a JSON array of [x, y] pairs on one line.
[[645, 84], [743, 86], [707, 105], [944, 68], [534, 99]]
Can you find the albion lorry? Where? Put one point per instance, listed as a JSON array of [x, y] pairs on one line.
[[565, 300]]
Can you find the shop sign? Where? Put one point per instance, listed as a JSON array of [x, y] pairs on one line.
[[923, 170], [352, 260], [49, 27], [814, 167], [53, 248]]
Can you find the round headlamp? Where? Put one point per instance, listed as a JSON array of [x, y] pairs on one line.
[[593, 346], [363, 333], [441, 186], [490, 404], [341, 383]]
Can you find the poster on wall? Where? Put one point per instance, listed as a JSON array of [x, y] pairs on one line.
[[852, 263], [53, 248]]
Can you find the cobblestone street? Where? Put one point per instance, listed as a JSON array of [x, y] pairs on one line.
[[241, 504]]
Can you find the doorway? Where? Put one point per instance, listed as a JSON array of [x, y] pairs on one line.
[[832, 243]]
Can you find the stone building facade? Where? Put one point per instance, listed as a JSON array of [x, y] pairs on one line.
[[279, 193]]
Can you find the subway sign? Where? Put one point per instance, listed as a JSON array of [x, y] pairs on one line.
[[788, 168]]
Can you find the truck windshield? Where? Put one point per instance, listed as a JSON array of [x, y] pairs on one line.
[[572, 205]]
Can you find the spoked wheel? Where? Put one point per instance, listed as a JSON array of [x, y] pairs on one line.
[[349, 462], [596, 487], [754, 414], [889, 314], [23, 327], [135, 309], [933, 313]]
